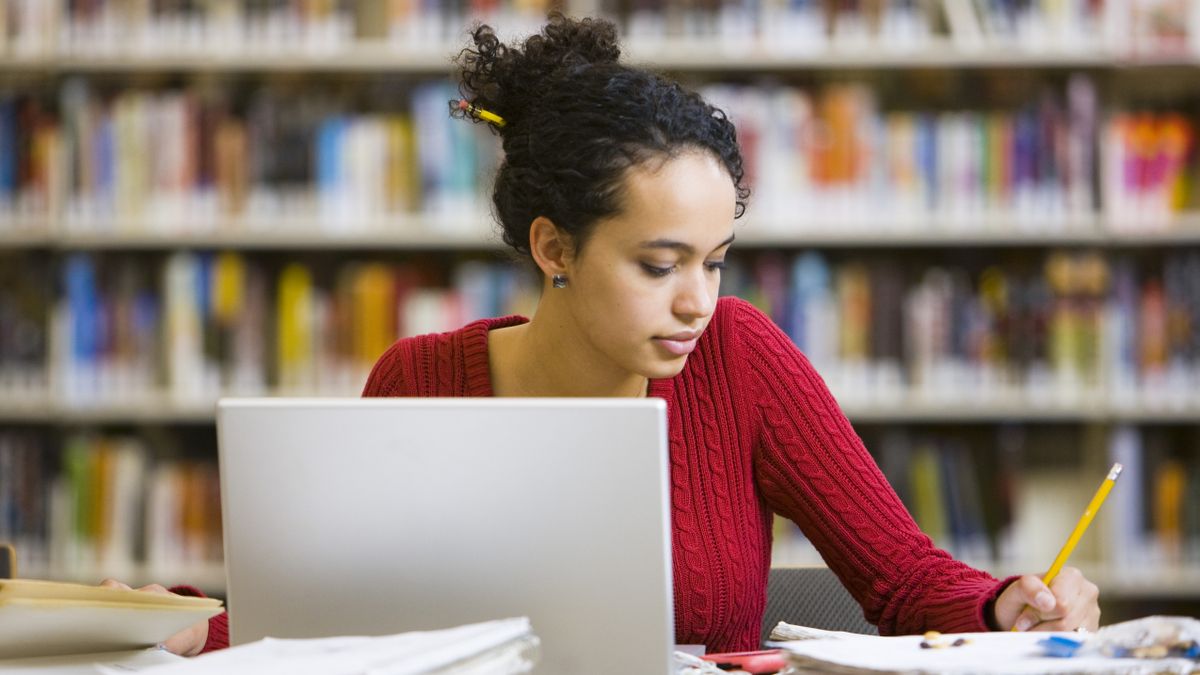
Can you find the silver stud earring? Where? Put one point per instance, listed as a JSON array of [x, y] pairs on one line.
[[558, 281]]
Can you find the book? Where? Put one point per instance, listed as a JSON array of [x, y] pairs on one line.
[[41, 618]]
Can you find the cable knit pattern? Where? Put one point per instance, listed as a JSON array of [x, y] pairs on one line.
[[752, 430], [813, 468]]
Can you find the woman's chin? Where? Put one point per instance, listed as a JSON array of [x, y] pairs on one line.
[[665, 370]]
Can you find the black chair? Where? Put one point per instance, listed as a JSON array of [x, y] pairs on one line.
[[8, 562], [813, 597]]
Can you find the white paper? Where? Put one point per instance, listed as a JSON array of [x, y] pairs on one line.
[[403, 654], [1002, 653]]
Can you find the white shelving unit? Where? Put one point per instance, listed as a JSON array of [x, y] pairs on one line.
[[709, 55], [421, 234]]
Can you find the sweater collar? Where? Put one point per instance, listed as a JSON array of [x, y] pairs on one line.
[[475, 356]]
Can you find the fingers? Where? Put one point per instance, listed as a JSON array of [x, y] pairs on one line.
[[1040, 603], [189, 641], [1075, 604], [1078, 600], [149, 588]]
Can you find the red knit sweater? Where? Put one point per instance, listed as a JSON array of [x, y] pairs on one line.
[[753, 431]]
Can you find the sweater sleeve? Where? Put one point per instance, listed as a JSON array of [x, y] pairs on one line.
[[385, 378], [812, 468], [218, 626]]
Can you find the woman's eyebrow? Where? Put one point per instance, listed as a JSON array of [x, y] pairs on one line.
[[680, 246]]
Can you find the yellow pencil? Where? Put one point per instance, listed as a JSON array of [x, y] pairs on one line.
[[1080, 527]]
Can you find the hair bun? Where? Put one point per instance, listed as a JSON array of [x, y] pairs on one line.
[[507, 79]]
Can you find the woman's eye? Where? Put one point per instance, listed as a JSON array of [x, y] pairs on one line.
[[716, 266], [655, 271]]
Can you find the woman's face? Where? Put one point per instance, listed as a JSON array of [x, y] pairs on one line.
[[645, 284]]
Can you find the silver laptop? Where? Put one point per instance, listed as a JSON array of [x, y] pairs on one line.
[[378, 516]]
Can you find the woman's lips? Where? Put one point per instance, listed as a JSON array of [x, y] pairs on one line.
[[678, 346]]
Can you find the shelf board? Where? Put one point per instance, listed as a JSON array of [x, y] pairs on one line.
[[714, 54], [137, 411], [688, 54], [209, 578], [479, 233], [462, 239], [42, 410], [24, 237], [835, 235], [301, 238], [377, 57], [33, 408], [980, 412]]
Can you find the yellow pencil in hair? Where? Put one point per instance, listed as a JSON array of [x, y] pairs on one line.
[[1080, 527]]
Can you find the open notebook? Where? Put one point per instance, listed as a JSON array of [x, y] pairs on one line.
[[50, 618]]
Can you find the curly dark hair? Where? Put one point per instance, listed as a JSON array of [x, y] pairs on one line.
[[577, 120]]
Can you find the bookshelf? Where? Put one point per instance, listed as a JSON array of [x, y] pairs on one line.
[[368, 74]]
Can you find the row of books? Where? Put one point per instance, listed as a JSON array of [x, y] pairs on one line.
[[200, 325], [1150, 169], [1128, 26], [149, 27], [196, 159], [1155, 517], [1065, 328], [1072, 329], [26, 295], [186, 159], [813, 25], [107, 502], [835, 155], [1009, 501]]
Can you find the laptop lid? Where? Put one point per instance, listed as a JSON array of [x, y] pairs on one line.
[[378, 516]]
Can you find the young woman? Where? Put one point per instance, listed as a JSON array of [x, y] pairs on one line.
[[623, 188]]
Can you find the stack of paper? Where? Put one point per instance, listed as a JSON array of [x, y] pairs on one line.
[[39, 618], [984, 654], [504, 647]]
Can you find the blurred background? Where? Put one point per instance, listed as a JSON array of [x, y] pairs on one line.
[[979, 219]]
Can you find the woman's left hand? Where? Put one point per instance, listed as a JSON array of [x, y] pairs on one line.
[[1070, 602]]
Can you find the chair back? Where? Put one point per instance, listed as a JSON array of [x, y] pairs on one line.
[[813, 597], [8, 561]]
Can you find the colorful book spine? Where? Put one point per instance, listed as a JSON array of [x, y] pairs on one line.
[[1084, 329], [101, 506], [186, 160], [836, 154]]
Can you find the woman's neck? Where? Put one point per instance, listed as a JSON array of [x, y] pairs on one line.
[[545, 358]]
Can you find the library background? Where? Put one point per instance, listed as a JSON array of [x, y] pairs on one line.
[[979, 219]]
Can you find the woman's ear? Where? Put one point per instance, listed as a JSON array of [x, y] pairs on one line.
[[550, 247]]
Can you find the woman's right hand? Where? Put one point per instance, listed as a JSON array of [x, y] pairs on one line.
[[187, 642]]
